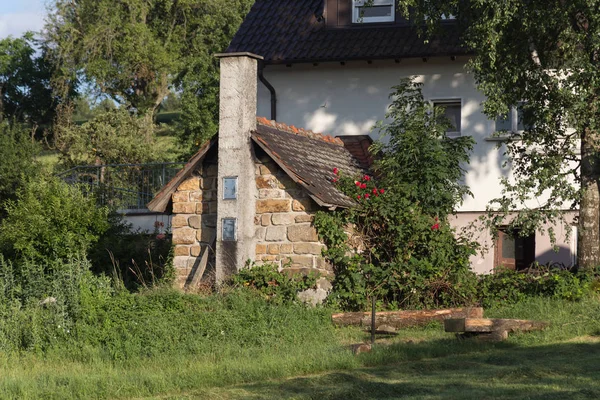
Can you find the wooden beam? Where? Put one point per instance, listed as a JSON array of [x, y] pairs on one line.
[[485, 325]]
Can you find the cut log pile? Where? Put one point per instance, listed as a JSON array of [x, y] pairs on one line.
[[496, 329], [404, 319]]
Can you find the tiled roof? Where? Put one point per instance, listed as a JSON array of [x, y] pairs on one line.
[[309, 159], [286, 31]]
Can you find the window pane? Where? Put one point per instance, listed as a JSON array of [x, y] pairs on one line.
[[452, 112], [504, 123], [508, 247], [375, 12]]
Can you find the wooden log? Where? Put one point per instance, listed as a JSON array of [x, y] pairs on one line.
[[481, 325], [403, 319]]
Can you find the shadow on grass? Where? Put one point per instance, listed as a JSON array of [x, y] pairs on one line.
[[501, 371]]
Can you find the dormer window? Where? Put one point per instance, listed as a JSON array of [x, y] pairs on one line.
[[371, 11]]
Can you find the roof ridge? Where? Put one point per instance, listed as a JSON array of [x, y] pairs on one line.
[[280, 126]]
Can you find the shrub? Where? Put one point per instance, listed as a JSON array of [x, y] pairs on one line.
[[50, 220], [275, 286]]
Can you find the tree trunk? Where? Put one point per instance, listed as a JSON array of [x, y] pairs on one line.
[[588, 240]]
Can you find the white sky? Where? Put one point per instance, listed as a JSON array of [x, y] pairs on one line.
[[19, 16]]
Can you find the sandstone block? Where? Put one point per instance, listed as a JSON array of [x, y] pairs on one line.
[[184, 208], [180, 262], [307, 248], [192, 183], [266, 182], [265, 219], [195, 250], [282, 219], [304, 218], [299, 261], [261, 249], [179, 220], [181, 197], [302, 233], [324, 265], [270, 193], [272, 206], [286, 248], [196, 195], [184, 236], [256, 220], [181, 250], [260, 233], [273, 249], [304, 205], [275, 234], [270, 258], [195, 222], [293, 271]]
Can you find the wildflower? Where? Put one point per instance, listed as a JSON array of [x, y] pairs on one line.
[[435, 226], [367, 178], [336, 171], [363, 186]]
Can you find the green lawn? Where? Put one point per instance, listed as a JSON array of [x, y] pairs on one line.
[[426, 363]]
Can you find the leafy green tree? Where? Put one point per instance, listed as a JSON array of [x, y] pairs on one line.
[[401, 247], [25, 83], [136, 51], [544, 56]]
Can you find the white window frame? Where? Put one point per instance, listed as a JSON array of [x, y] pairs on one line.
[[357, 18], [441, 102], [513, 112]]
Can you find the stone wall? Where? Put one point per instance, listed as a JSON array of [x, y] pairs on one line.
[[284, 214], [194, 221]]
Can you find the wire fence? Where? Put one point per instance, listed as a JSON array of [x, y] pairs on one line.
[[126, 187]]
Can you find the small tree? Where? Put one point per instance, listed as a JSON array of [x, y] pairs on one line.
[[396, 243]]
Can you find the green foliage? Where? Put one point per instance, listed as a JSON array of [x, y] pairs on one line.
[[276, 286], [400, 246], [513, 287], [112, 137], [50, 220], [25, 92], [138, 52], [17, 153]]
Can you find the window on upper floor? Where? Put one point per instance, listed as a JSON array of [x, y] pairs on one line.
[[452, 110], [513, 121], [370, 11]]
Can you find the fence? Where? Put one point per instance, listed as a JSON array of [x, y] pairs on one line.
[[127, 187]]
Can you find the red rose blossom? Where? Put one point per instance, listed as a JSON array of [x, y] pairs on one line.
[[363, 186], [374, 191], [382, 191], [367, 178], [357, 183], [367, 195], [358, 197], [336, 171], [435, 227]]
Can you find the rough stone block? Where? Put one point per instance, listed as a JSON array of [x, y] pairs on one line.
[[282, 219], [324, 265], [181, 197], [179, 221], [184, 208], [260, 233], [270, 258], [195, 250], [266, 182], [205, 235], [273, 249], [304, 218], [265, 219], [299, 261], [286, 248], [261, 249], [195, 222], [307, 248], [323, 283], [302, 233], [184, 236], [293, 271], [304, 205], [181, 250], [270, 193], [180, 261], [192, 183], [275, 234], [196, 196], [272, 206], [312, 297]]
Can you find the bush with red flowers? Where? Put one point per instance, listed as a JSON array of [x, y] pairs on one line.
[[397, 243]]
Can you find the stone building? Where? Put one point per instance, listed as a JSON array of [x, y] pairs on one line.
[[252, 192]]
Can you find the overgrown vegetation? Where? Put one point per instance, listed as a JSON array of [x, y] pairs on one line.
[[397, 243]]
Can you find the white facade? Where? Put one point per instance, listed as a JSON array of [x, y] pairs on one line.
[[349, 99]]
